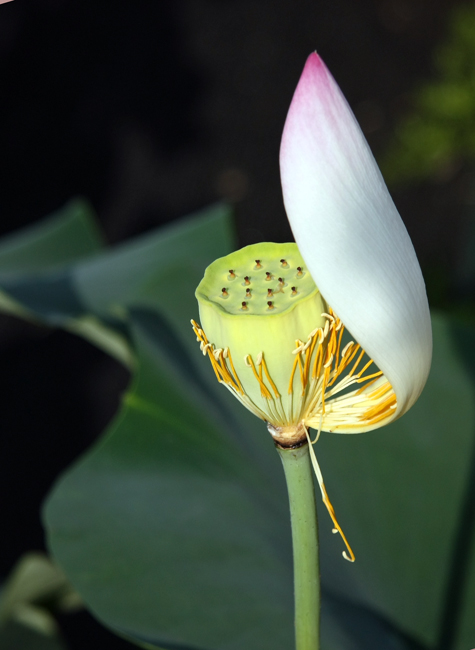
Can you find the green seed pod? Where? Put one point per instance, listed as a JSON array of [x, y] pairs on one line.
[[257, 306]]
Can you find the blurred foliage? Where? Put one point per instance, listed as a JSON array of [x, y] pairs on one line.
[[34, 591], [439, 134]]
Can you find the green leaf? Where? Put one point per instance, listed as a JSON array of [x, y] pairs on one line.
[[351, 626], [91, 297], [15, 636], [66, 236], [159, 270]]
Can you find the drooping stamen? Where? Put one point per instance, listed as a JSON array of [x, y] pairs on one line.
[[326, 500]]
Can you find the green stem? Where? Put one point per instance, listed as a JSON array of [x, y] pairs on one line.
[[303, 516]]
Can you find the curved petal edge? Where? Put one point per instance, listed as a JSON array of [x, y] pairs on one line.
[[350, 233]]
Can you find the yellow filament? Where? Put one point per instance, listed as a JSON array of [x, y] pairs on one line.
[[356, 364], [274, 387], [376, 374], [309, 353], [264, 390], [241, 389], [294, 367], [326, 500], [339, 344], [317, 366], [351, 356], [227, 376], [301, 371], [378, 408], [365, 368], [379, 392], [363, 388]]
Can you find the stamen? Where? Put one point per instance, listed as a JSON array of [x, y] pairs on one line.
[[317, 364], [356, 364], [264, 390], [328, 363], [326, 500], [274, 387], [376, 374], [228, 354], [294, 367], [346, 348], [365, 368]]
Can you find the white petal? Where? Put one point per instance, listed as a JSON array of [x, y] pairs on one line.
[[350, 234]]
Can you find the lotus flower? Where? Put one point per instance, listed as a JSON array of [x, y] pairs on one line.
[[273, 315]]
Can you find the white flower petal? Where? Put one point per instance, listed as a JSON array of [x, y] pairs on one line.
[[351, 235]]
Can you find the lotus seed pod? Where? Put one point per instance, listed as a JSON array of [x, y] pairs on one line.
[[256, 317]]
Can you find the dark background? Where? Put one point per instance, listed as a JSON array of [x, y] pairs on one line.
[[152, 109]]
